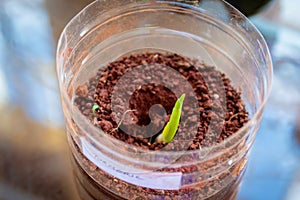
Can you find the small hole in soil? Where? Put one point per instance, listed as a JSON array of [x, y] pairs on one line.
[[152, 99]]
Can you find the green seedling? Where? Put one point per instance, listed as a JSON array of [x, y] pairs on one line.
[[94, 108], [170, 129]]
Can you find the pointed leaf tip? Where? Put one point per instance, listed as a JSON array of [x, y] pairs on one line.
[[181, 98]]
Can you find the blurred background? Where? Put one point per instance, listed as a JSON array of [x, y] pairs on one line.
[[34, 162]]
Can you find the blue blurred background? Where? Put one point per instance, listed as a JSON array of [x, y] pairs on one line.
[[34, 161]]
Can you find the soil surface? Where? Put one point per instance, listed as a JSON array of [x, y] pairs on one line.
[[213, 109]]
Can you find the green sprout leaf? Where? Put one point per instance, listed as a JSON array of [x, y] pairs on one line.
[[94, 108], [170, 129]]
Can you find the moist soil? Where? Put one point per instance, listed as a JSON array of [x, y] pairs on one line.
[[227, 116]]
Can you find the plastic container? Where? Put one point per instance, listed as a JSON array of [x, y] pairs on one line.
[[212, 32]]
